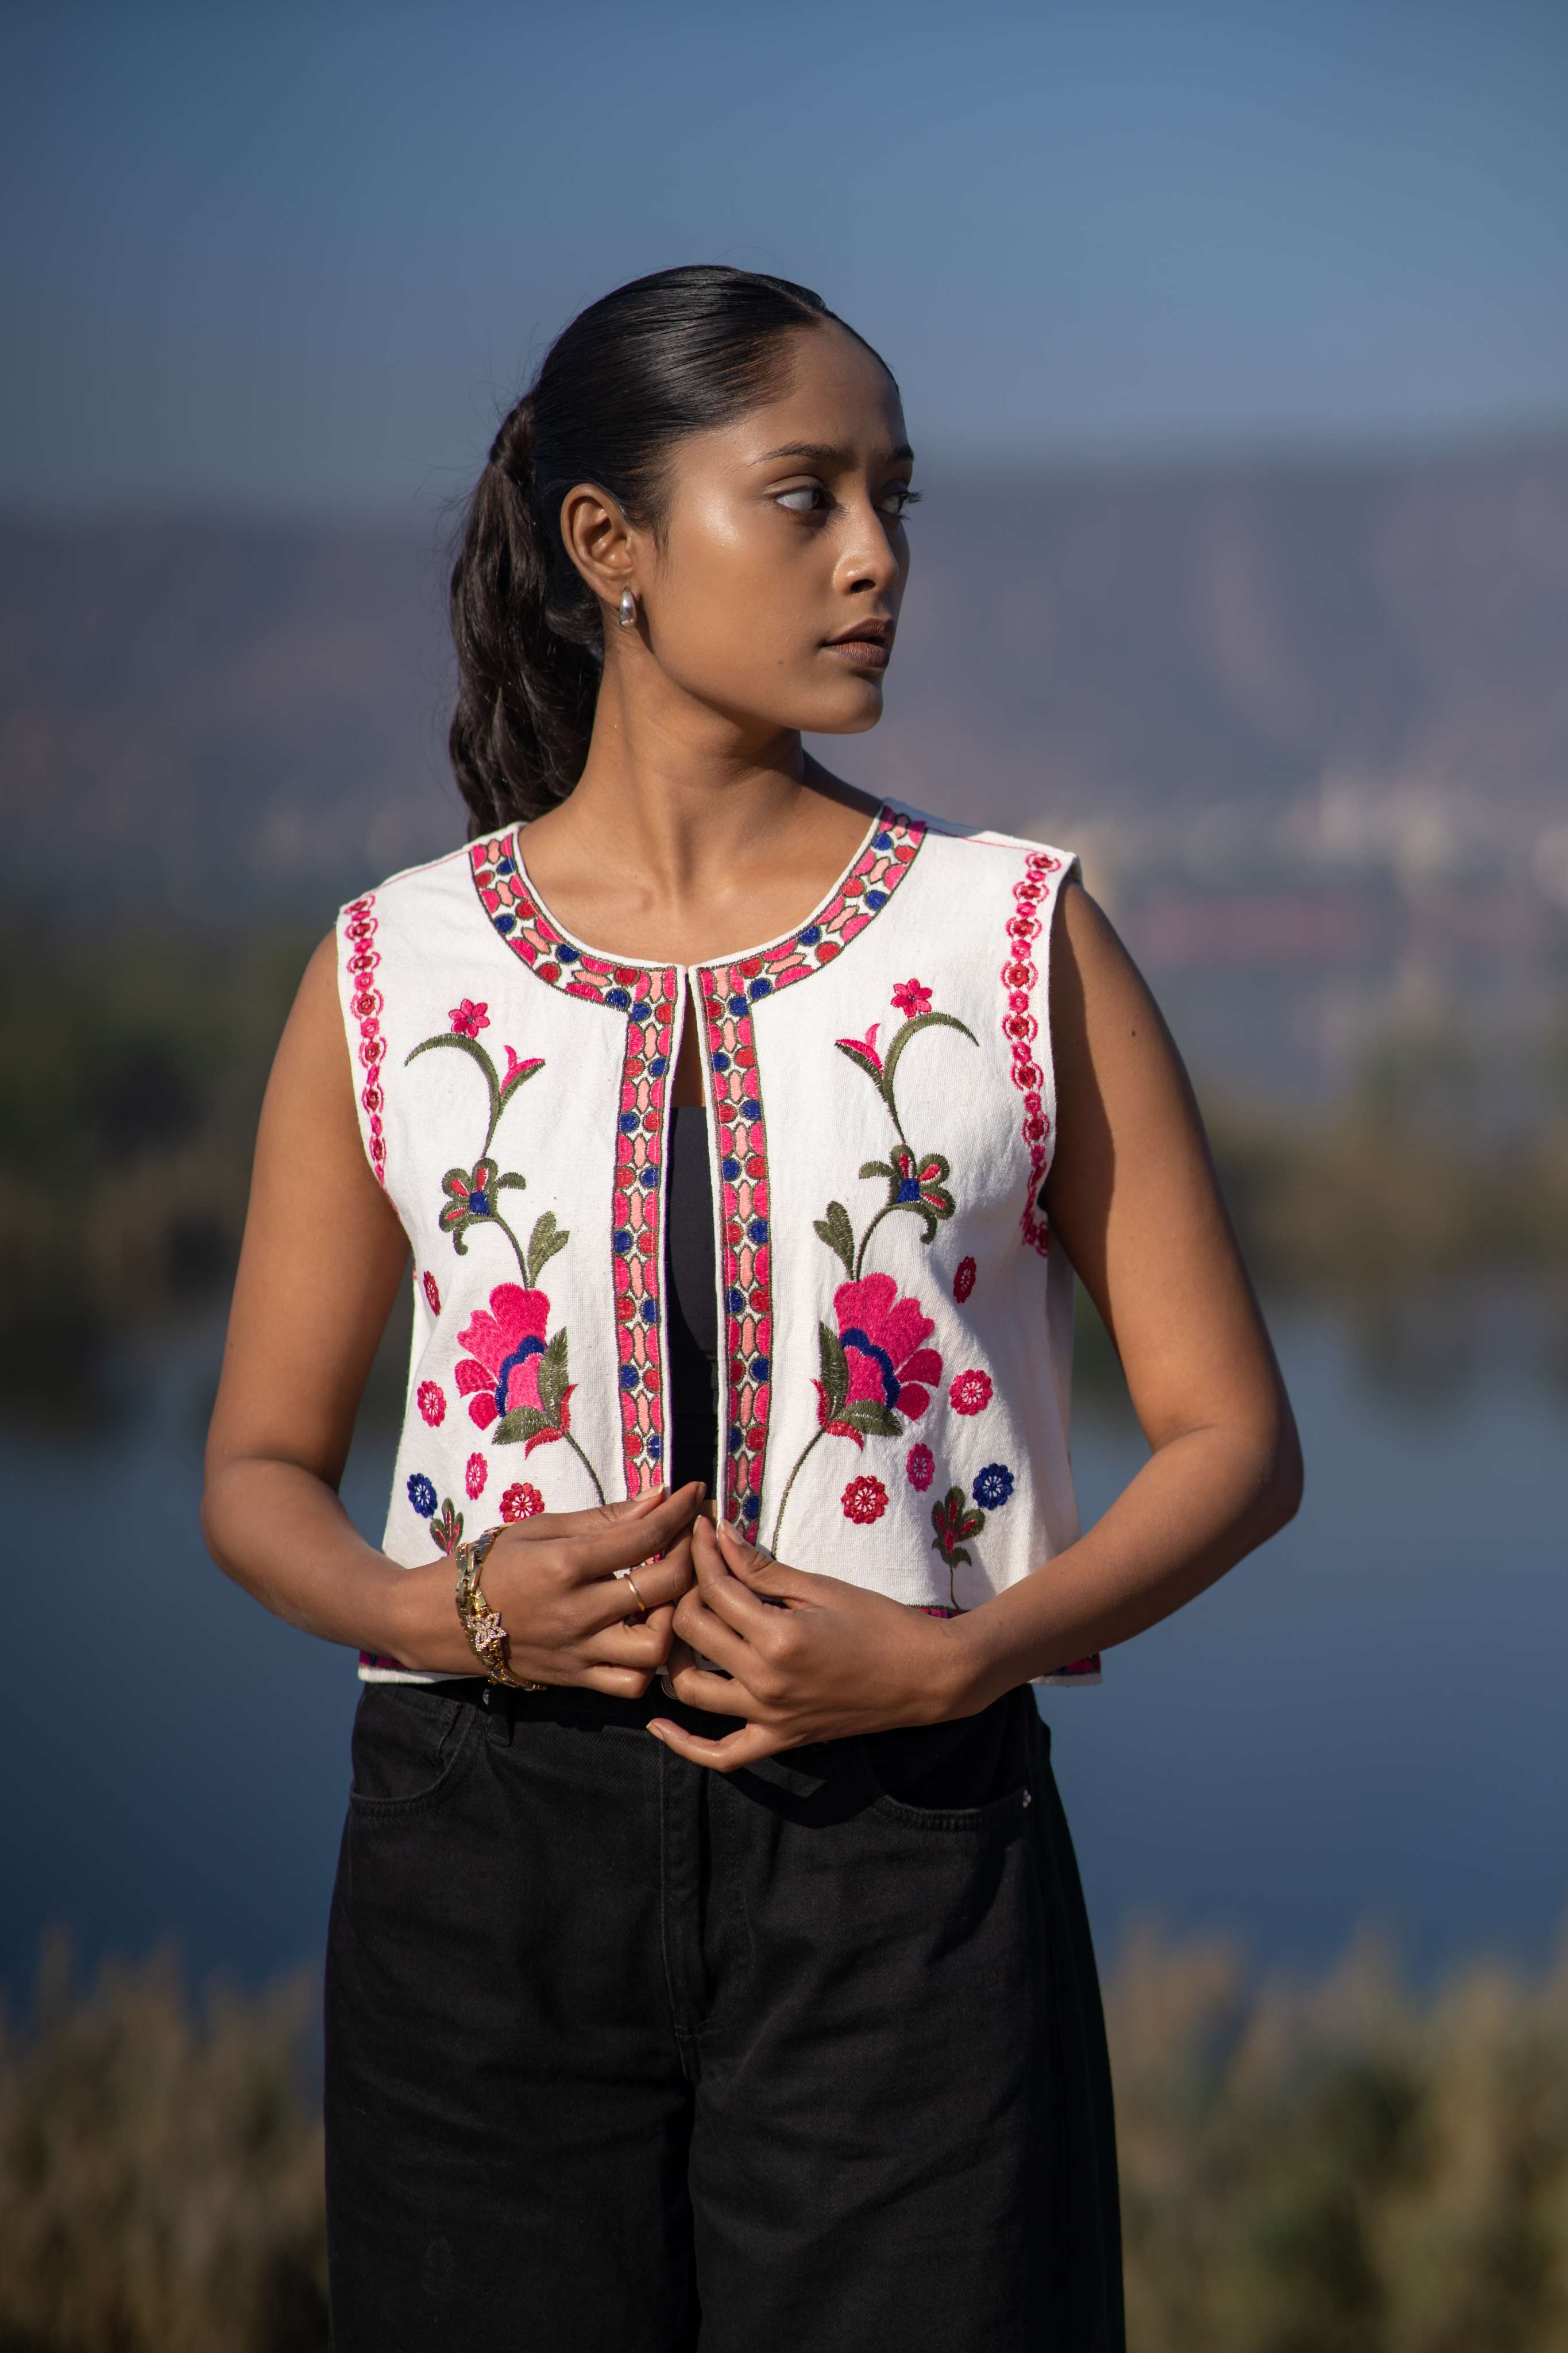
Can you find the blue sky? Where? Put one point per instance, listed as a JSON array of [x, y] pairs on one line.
[[298, 257]]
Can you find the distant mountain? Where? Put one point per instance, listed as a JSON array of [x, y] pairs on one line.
[[226, 715]]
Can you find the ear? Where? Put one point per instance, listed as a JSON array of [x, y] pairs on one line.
[[601, 542]]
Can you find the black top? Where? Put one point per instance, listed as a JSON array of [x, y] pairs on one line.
[[692, 1305]]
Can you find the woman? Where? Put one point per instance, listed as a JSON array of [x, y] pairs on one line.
[[706, 1959]]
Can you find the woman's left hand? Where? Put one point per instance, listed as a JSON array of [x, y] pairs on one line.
[[808, 1657]]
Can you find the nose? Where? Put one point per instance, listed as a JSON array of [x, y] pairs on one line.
[[868, 559]]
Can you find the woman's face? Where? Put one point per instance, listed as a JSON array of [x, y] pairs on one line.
[[783, 537]]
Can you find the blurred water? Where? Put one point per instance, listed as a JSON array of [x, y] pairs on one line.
[[1365, 1717]]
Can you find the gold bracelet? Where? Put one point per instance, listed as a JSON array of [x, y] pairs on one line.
[[481, 1624]]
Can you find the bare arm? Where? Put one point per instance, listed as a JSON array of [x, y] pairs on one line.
[[1133, 1199], [322, 1258]]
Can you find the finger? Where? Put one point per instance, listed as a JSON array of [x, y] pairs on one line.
[[714, 1694], [617, 1682], [633, 1538], [659, 1585], [596, 1516], [629, 1646], [723, 1756], [774, 1579], [721, 1590], [706, 1632]]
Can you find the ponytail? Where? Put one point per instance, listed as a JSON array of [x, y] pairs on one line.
[[664, 356]]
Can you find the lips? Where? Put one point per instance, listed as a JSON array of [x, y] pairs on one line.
[[868, 646]]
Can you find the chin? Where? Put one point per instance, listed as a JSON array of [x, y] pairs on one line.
[[846, 714]]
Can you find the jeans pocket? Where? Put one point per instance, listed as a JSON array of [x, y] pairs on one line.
[[974, 1776], [409, 1747]]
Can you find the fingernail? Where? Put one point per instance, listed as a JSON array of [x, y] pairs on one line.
[[665, 1684]]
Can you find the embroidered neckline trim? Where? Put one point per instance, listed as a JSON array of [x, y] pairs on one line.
[[511, 845]]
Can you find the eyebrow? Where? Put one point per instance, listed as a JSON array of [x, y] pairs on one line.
[[826, 455]]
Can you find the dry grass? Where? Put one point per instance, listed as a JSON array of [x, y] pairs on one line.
[[1336, 2167]]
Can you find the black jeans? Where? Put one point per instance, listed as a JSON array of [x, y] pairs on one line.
[[624, 2056]]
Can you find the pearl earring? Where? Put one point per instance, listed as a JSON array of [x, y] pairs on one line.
[[628, 612]]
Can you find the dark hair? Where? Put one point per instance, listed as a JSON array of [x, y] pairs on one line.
[[659, 358]]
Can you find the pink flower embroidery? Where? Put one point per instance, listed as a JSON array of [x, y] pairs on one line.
[[863, 1050], [474, 1476], [468, 1018], [502, 1373], [516, 1069], [865, 1500], [913, 998], [970, 1392], [432, 1403], [882, 1365], [964, 1280], [920, 1466], [521, 1502], [432, 1295]]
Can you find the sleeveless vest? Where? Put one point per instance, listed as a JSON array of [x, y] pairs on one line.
[[897, 1353]]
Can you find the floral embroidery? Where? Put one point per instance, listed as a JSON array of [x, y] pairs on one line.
[[645, 996], [964, 1280], [970, 1392], [957, 1520], [432, 1403], [520, 1502], [446, 1527], [876, 1368], [729, 994], [432, 1296], [366, 1005], [475, 1475], [865, 1499], [422, 1494], [992, 1486], [920, 1466], [916, 1181], [515, 1377], [471, 1199], [1020, 1028], [473, 1193]]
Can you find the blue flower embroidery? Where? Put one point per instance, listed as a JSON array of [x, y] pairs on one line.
[[422, 1495], [992, 1486]]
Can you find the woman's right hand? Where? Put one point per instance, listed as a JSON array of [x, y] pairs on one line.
[[552, 1581]]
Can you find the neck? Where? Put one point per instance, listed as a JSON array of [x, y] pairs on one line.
[[677, 792]]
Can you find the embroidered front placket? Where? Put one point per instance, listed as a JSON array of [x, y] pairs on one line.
[[890, 1310]]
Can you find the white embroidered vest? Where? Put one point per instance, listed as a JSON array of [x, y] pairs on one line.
[[897, 1358]]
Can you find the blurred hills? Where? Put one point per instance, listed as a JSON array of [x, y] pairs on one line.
[[1262, 676]]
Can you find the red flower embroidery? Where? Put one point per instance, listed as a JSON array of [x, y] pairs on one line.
[[920, 1466], [468, 1018], [510, 1369], [865, 1500], [474, 1476], [970, 1392], [877, 1364], [432, 1403], [964, 1280], [432, 1295], [863, 1050], [521, 1502], [913, 998]]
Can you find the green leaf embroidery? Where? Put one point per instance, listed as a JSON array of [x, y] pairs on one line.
[[524, 1421], [546, 1239], [552, 1377], [895, 1051], [834, 1371], [837, 1232]]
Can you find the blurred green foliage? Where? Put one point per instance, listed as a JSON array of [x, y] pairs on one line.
[[1332, 2166]]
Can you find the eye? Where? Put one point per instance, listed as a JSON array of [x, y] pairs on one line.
[[798, 500], [903, 497]]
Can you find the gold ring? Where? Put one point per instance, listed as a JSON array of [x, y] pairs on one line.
[[642, 1605]]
